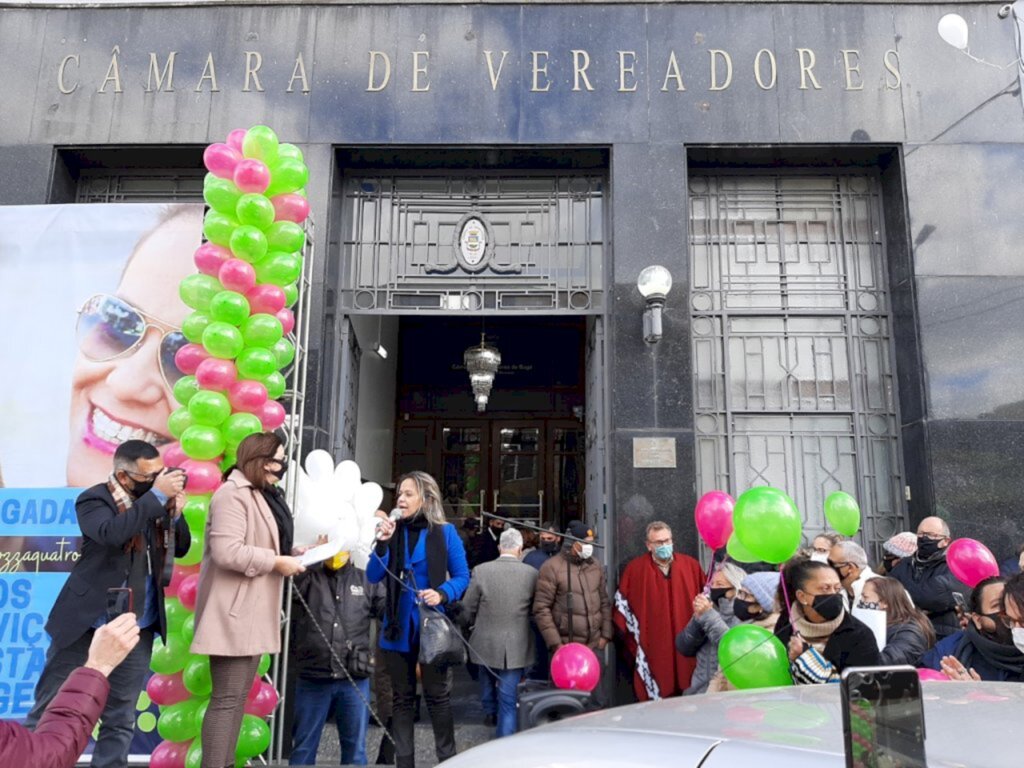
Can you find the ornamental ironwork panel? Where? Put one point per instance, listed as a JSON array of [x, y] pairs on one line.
[[791, 340], [140, 186], [472, 243]]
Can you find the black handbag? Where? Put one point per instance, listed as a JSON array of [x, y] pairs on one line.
[[440, 642]]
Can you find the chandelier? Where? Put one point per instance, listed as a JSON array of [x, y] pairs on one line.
[[482, 364]]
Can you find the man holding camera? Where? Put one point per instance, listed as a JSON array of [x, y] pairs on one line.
[[128, 524], [333, 606]]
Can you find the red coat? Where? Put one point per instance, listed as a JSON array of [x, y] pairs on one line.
[[650, 610], [63, 730]]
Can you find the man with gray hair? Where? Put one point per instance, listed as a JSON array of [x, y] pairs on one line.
[[497, 605], [851, 563]]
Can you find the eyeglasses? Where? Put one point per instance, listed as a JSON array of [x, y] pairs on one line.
[[109, 327], [836, 565], [143, 478], [933, 536]]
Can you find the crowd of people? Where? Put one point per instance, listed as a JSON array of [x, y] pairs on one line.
[[512, 596]]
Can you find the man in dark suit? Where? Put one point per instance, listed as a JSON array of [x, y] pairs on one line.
[[126, 525]]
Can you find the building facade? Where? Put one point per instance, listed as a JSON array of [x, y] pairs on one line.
[[831, 187]]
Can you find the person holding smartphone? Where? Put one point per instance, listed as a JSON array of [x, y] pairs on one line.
[[123, 523]]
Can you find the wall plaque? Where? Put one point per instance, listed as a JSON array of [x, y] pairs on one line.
[[654, 453]]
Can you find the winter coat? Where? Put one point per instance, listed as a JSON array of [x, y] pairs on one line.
[[572, 594], [700, 640], [959, 646], [342, 603], [931, 586], [719, 682], [904, 644], [408, 610], [238, 605], [63, 730], [851, 644], [498, 604]]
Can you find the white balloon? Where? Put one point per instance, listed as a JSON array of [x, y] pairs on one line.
[[313, 522], [368, 498], [347, 479], [953, 29], [320, 466]]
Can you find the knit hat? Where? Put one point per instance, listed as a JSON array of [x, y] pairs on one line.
[[901, 545], [763, 585], [579, 530]]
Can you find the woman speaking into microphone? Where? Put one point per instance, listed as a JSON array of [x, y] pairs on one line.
[[248, 554], [422, 560]]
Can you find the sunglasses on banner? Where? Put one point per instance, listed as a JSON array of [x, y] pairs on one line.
[[110, 328]]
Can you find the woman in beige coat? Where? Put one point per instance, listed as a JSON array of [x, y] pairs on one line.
[[239, 601]]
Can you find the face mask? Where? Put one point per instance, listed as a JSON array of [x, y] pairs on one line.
[[138, 489], [820, 557], [338, 561], [889, 563], [869, 605], [280, 472], [926, 547], [663, 551], [1018, 638], [586, 551], [741, 609], [717, 593], [1002, 633], [828, 606], [549, 546]]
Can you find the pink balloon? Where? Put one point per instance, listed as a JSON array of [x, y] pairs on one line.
[[221, 160], [188, 590], [167, 689], [251, 176], [178, 575], [266, 299], [236, 137], [209, 258], [971, 561], [264, 702], [214, 373], [287, 318], [173, 455], [248, 396], [932, 674], [713, 514], [237, 275], [188, 358], [575, 667], [254, 689], [271, 415], [203, 476], [290, 207]]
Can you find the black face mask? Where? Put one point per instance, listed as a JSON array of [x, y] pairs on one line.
[[926, 547], [741, 609], [889, 563], [828, 606], [281, 471], [717, 593], [550, 547], [139, 489], [1003, 634]]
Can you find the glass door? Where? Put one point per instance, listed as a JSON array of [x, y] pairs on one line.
[[518, 488]]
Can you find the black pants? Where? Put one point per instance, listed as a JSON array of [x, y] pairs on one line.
[[437, 689]]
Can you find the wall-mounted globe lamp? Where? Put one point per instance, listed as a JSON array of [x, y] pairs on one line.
[[654, 283]]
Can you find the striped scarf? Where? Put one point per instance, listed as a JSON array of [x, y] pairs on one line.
[[124, 501]]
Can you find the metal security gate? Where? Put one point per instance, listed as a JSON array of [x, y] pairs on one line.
[[792, 352]]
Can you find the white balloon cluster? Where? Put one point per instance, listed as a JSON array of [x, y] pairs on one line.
[[331, 500]]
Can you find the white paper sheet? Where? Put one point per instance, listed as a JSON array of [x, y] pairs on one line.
[[875, 620], [320, 552]]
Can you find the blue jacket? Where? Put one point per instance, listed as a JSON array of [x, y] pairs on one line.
[[408, 611], [956, 645]]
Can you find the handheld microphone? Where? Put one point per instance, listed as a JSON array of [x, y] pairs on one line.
[[394, 517]]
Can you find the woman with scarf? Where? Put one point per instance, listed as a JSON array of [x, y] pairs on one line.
[[712, 618], [248, 554], [908, 631], [985, 649], [822, 637], [421, 559]]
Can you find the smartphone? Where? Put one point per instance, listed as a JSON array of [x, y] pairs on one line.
[[961, 604], [883, 717], [119, 600]]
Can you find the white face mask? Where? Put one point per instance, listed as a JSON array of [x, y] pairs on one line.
[[586, 551], [1018, 638], [819, 557]]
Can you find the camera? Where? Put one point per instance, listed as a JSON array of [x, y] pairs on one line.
[[177, 469]]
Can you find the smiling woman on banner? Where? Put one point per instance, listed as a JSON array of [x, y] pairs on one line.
[[421, 559]]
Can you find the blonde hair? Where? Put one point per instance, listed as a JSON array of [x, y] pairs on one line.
[[427, 488]]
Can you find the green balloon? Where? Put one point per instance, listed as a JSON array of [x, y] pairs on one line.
[[767, 523], [284, 351], [256, 363], [185, 389], [178, 721], [255, 210], [261, 330], [196, 677], [248, 243], [196, 510], [194, 325], [202, 443], [291, 294], [279, 268], [194, 756], [195, 551], [218, 227], [239, 426], [275, 385], [285, 236], [220, 194], [169, 656], [288, 175], [843, 513], [197, 290], [289, 151], [176, 615], [261, 143], [752, 657], [223, 340], [229, 460], [201, 713], [229, 307], [209, 408], [264, 665], [188, 630], [254, 738], [179, 421], [738, 552]]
